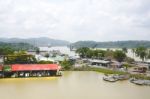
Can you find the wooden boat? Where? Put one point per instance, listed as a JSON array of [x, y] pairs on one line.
[[140, 82], [121, 77], [110, 79]]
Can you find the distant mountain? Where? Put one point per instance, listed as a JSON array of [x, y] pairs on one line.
[[115, 44], [42, 41], [18, 46]]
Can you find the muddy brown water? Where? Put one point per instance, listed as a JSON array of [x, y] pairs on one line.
[[72, 85]]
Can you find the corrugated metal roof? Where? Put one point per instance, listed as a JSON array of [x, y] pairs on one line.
[[1, 68], [99, 61], [32, 67]]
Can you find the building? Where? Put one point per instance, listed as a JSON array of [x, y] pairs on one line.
[[103, 63], [33, 70]]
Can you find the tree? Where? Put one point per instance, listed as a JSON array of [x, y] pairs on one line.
[[129, 60], [19, 58], [6, 51], [133, 51], [37, 51], [66, 64], [141, 52], [47, 55], [148, 54], [125, 50], [119, 55], [109, 54], [83, 52], [45, 62]]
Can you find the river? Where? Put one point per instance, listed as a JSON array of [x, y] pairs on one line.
[[72, 85]]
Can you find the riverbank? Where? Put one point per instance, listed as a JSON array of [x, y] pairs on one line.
[[109, 71], [96, 69]]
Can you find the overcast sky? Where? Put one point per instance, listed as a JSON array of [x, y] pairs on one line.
[[73, 20]]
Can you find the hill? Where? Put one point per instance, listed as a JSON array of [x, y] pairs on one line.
[[42, 41], [18, 46], [115, 44]]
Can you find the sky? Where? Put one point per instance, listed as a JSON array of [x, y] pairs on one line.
[[74, 20]]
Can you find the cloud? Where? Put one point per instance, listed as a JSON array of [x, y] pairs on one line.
[[100, 20]]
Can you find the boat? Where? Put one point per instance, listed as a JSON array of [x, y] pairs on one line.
[[121, 77], [140, 81], [110, 79]]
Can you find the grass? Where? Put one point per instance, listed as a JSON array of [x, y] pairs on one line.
[[102, 70], [139, 76], [107, 71]]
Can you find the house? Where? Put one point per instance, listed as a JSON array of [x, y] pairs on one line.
[[116, 64], [95, 62]]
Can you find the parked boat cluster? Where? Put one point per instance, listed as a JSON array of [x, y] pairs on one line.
[[140, 82], [115, 78]]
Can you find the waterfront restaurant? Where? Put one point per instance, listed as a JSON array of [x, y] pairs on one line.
[[34, 70]]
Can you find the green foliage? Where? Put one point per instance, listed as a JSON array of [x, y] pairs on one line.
[[140, 76], [125, 50], [37, 51], [141, 52], [18, 46], [19, 58], [148, 56], [89, 53], [47, 55], [107, 71], [7, 68], [44, 62], [129, 60], [119, 55], [83, 51], [109, 54], [6, 50], [67, 65]]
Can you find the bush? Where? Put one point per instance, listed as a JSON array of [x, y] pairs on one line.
[[45, 62]]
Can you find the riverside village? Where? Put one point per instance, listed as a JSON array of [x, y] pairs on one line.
[[116, 64]]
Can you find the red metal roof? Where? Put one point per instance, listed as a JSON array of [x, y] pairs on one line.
[[1, 68], [32, 67]]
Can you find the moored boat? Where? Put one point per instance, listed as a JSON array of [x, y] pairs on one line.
[[140, 81], [121, 77], [110, 79]]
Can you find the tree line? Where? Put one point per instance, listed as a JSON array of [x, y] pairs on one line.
[[119, 55]]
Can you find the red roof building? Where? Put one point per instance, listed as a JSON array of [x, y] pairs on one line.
[[34, 67]]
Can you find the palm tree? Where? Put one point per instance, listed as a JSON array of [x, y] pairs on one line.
[[125, 50], [133, 51], [37, 51]]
